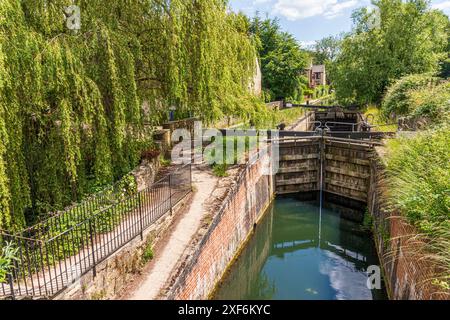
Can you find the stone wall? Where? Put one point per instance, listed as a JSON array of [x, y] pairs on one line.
[[220, 242], [187, 124], [145, 173], [256, 84], [406, 271]]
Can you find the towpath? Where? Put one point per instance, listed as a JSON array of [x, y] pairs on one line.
[[154, 279]]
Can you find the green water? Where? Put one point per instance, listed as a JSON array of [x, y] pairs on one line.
[[286, 259]]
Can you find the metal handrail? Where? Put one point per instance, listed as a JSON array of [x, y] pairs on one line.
[[341, 123], [43, 267], [349, 124]]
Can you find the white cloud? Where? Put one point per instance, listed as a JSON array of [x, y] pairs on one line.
[[307, 44], [300, 9], [442, 5], [255, 2]]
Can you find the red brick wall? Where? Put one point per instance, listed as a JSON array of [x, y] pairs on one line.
[[407, 272], [244, 206]]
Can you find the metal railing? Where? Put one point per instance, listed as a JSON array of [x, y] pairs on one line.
[[55, 253]]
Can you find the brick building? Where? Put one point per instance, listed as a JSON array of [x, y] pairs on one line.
[[316, 75]]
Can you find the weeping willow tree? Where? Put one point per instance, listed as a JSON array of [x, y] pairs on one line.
[[74, 104]]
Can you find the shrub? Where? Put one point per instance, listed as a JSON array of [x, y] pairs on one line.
[[148, 254], [220, 170], [433, 103], [396, 99]]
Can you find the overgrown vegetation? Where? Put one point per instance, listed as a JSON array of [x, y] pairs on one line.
[[418, 186], [282, 61], [417, 96], [396, 101], [220, 170], [378, 121], [73, 104], [288, 116], [395, 39], [431, 102], [7, 256], [148, 254]]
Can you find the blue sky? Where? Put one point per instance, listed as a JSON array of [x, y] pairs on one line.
[[310, 20]]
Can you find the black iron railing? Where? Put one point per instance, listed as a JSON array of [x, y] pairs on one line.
[[55, 253]]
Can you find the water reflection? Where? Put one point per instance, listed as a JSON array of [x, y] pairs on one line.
[[287, 260]]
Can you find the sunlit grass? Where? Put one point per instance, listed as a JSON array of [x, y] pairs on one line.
[[374, 116], [288, 116], [418, 186]]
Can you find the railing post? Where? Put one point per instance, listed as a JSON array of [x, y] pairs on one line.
[[11, 286], [190, 177], [170, 191], [91, 233], [141, 218]]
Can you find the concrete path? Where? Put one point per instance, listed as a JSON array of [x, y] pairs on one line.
[[150, 287]]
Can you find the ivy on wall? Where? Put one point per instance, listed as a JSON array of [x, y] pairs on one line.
[[74, 106]]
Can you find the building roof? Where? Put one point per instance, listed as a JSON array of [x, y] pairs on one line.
[[318, 68]]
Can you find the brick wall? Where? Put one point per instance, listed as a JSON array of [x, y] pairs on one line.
[[245, 204], [407, 272]]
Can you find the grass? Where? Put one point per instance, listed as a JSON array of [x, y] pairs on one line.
[[376, 119], [220, 170], [221, 162], [418, 183], [288, 116]]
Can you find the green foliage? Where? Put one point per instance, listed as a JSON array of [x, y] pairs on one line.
[[321, 91], [73, 104], [418, 186], [394, 39], [288, 116], [396, 101], [220, 170], [433, 103], [445, 64], [67, 232], [418, 96], [382, 124], [165, 162], [326, 50], [148, 254], [7, 256], [282, 60], [419, 176], [368, 221]]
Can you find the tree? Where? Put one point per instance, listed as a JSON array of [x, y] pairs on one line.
[[73, 105], [393, 40], [282, 60], [326, 50], [445, 64]]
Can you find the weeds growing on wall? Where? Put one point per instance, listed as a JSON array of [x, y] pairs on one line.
[[418, 186]]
